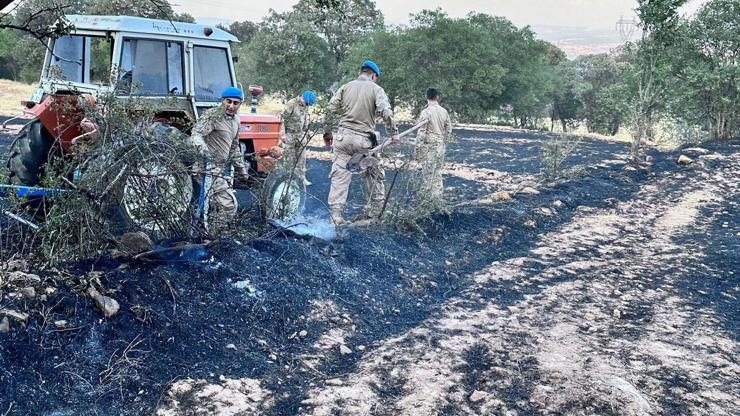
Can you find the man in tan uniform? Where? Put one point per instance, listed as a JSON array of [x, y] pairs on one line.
[[296, 123], [356, 104], [216, 138], [430, 144]]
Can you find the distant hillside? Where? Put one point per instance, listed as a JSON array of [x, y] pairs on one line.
[[576, 41]]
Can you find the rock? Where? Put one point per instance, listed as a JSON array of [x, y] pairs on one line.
[[530, 224], [558, 203], [697, 150], [617, 314], [28, 292], [231, 347], [684, 160], [15, 265], [27, 278], [18, 316], [361, 348], [478, 396], [303, 334], [546, 212], [107, 305], [630, 390], [4, 325], [334, 382], [135, 243], [589, 316], [500, 196], [344, 350], [528, 190], [60, 324]]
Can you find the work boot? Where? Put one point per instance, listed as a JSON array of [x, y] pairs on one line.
[[336, 216]]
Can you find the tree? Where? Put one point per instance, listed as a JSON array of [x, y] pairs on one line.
[[340, 24], [604, 95], [244, 31], [286, 56], [659, 20], [567, 106], [706, 80]]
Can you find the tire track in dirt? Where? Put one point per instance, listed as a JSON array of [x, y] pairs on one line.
[[602, 329]]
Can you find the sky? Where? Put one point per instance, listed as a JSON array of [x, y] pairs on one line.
[[594, 14]]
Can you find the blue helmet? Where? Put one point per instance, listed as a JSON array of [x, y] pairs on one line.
[[370, 64], [309, 97], [232, 92]]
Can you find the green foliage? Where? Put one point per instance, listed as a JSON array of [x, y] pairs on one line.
[[604, 96], [340, 24], [8, 43], [705, 84], [286, 56]]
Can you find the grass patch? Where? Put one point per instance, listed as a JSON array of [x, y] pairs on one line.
[[11, 95]]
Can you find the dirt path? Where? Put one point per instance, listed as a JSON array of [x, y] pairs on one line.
[[603, 330]]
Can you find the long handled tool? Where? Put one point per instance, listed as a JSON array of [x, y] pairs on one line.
[[363, 161]]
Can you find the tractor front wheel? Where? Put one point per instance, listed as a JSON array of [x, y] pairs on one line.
[[29, 152]]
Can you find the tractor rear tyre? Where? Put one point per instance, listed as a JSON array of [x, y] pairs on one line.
[[29, 152]]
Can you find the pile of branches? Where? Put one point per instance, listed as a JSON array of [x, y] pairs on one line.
[[130, 173]]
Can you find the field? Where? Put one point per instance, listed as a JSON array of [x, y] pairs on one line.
[[611, 292]]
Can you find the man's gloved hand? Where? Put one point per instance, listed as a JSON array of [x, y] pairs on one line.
[[328, 139], [202, 150]]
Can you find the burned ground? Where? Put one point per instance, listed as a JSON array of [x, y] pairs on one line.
[[613, 292]]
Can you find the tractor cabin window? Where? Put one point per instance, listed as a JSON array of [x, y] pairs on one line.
[[83, 59], [211, 71], [151, 67]]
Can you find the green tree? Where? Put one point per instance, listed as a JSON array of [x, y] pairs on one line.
[[659, 20], [705, 88], [340, 24], [8, 43], [604, 94], [286, 56], [567, 106]]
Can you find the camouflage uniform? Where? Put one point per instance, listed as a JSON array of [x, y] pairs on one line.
[[356, 104], [296, 135], [430, 147], [218, 133]]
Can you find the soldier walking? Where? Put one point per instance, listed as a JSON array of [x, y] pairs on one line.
[[356, 104], [295, 120], [430, 145]]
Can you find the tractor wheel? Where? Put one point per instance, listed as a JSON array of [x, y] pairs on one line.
[[152, 193], [283, 196], [29, 152]]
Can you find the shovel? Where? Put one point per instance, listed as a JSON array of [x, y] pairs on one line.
[[360, 162]]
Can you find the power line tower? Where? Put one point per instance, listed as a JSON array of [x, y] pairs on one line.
[[626, 28]]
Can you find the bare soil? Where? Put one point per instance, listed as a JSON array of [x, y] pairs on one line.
[[613, 292]]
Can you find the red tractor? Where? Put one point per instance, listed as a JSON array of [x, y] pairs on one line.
[[179, 68]]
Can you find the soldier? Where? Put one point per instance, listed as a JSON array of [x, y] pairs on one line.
[[430, 144], [356, 104], [216, 138], [296, 132]]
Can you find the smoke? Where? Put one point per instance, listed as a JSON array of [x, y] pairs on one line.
[[304, 225]]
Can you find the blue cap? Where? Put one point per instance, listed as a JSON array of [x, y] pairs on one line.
[[309, 97], [370, 64], [232, 92]]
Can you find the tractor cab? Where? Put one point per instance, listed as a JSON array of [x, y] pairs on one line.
[[180, 68]]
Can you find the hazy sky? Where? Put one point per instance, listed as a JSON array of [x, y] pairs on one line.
[[588, 13]]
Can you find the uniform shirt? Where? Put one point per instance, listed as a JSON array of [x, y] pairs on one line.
[[438, 127], [220, 133], [357, 102], [294, 116]]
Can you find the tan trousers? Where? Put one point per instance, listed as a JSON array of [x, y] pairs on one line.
[[431, 158], [346, 144], [221, 201]]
